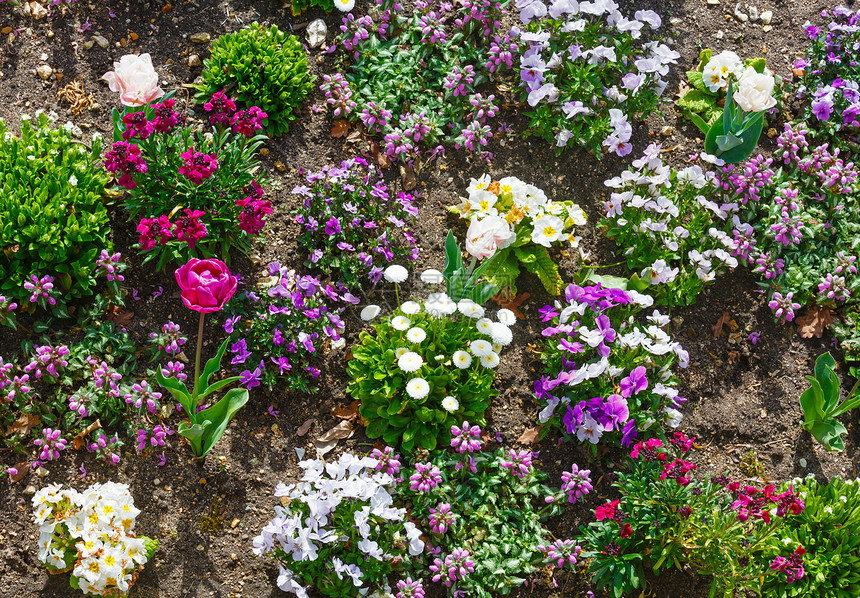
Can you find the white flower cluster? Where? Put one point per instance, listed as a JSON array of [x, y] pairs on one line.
[[301, 531], [498, 208], [643, 193], [90, 532]]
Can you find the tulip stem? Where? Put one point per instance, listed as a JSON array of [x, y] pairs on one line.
[[197, 360]]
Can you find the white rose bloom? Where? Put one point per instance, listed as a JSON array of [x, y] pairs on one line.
[[370, 312], [462, 359], [484, 326], [396, 273], [411, 307], [506, 317], [490, 361], [417, 388], [432, 276], [480, 348], [400, 323], [470, 309], [450, 404], [416, 335], [547, 229], [755, 91], [501, 334], [410, 362]]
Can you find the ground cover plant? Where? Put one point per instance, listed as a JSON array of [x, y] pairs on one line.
[[263, 68], [587, 72], [54, 222]]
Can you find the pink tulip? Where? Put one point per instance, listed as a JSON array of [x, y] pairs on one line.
[[135, 79], [206, 284]]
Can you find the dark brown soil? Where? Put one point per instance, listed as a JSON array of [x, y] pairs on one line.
[[742, 396]]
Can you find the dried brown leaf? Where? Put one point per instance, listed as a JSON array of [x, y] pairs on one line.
[[348, 412], [381, 158], [529, 436], [23, 425], [120, 316], [340, 128], [722, 321], [343, 430], [23, 469], [79, 438], [814, 321], [512, 304], [305, 427], [407, 177]]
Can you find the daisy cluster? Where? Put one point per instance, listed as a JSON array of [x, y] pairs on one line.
[[430, 363], [353, 225], [797, 226], [669, 225], [604, 373], [339, 530], [830, 80], [91, 534], [280, 328], [587, 71], [486, 511]]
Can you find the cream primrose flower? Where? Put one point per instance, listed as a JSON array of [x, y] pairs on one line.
[[506, 317], [755, 91], [411, 308], [417, 388], [719, 68], [462, 360], [479, 184], [370, 312], [576, 214], [470, 309], [416, 335], [501, 334], [396, 273], [482, 201], [480, 348], [410, 362], [484, 326], [547, 229], [450, 404], [344, 5], [490, 361], [432, 276], [400, 323], [439, 305]]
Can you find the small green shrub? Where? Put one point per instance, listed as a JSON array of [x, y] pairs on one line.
[[53, 221], [261, 67]]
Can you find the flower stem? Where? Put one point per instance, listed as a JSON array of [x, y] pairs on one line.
[[197, 362]]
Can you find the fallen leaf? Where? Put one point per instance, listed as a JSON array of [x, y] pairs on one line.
[[381, 158], [814, 321], [23, 469], [79, 438], [407, 177], [355, 134], [724, 320], [120, 316], [303, 429], [23, 425], [529, 436], [340, 128], [6, 30], [327, 441], [734, 357], [348, 412], [512, 304]]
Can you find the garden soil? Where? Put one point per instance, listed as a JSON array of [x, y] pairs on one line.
[[743, 396]]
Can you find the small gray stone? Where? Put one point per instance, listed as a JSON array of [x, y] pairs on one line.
[[194, 60], [88, 45], [200, 38], [44, 71], [316, 33], [29, 490], [767, 17], [753, 13], [101, 41], [740, 15], [720, 34]]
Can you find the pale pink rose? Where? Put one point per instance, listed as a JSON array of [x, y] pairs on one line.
[[135, 79], [487, 235]]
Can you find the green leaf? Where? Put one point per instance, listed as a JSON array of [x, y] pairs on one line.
[[177, 389], [376, 428], [697, 80], [759, 64], [453, 257], [545, 268], [220, 415], [700, 123], [213, 365], [696, 101]]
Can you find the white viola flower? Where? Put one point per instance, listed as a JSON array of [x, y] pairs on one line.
[[484, 326], [439, 305], [400, 351], [410, 362], [658, 318], [501, 334], [400, 323], [449, 403], [470, 309], [673, 417], [590, 430], [413, 534], [506, 317], [660, 272], [547, 229], [490, 361], [370, 548], [416, 335], [432, 276], [641, 298], [720, 68], [462, 360], [417, 388], [396, 273], [411, 308], [286, 579], [480, 348]]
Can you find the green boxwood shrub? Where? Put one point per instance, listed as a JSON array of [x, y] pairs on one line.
[[262, 67]]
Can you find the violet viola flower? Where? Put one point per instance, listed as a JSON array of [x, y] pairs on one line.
[[616, 412], [250, 379], [635, 382]]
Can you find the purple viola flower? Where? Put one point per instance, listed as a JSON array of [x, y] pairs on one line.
[[628, 433], [250, 379], [616, 412], [332, 227], [635, 382], [282, 363], [240, 352], [230, 323]]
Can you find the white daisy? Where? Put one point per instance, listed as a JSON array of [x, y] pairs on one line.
[[400, 323], [370, 312], [400, 351], [396, 273], [462, 359], [471, 309], [439, 304], [410, 361], [506, 317], [484, 326], [450, 404], [344, 5], [432, 276], [411, 307], [417, 388], [490, 361], [501, 334], [416, 335], [480, 348]]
